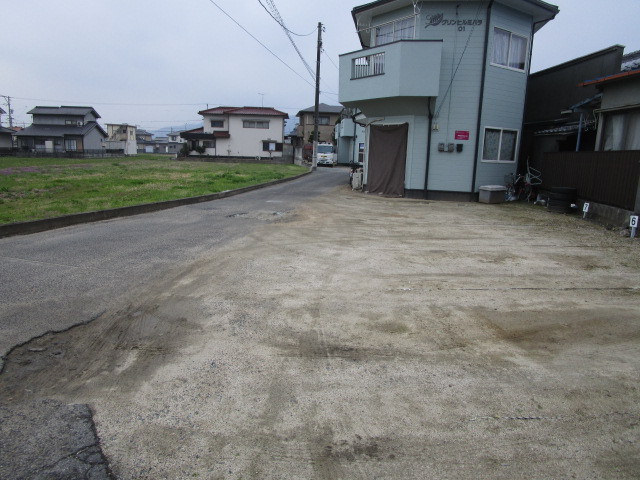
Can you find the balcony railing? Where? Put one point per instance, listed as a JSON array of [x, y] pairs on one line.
[[406, 68], [367, 66]]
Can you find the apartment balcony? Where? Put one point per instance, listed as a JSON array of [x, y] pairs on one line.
[[406, 68]]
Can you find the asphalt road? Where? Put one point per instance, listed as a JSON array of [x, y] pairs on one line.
[[54, 280]]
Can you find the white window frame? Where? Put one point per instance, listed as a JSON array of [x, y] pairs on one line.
[[511, 35], [393, 23], [255, 124], [515, 150]]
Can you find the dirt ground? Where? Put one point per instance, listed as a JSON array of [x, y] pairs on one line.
[[362, 337]]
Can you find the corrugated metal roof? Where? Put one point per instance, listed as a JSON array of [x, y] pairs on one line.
[[262, 111]]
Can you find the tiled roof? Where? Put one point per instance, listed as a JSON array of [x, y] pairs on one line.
[[631, 61], [58, 130], [322, 108], [63, 110], [262, 111]]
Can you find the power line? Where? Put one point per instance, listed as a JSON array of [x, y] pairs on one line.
[[329, 57], [262, 44], [278, 18], [281, 23], [115, 104]]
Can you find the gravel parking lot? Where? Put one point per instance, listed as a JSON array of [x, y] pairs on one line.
[[360, 337]]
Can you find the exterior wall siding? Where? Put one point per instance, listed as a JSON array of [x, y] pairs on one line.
[[456, 107], [621, 94], [247, 142], [93, 140], [504, 94]]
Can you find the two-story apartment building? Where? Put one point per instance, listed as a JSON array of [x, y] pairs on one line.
[[442, 85], [63, 129], [238, 132], [122, 136]]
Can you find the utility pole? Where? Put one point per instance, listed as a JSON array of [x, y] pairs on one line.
[[10, 112], [314, 162]]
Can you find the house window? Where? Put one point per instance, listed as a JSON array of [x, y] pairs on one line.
[[70, 145], [217, 123], [509, 49], [271, 146], [621, 131], [402, 29], [323, 120], [499, 145], [209, 144], [255, 124]]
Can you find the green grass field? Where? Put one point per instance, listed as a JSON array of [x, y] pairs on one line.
[[35, 188]]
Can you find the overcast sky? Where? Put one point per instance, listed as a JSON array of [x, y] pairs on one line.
[[157, 63]]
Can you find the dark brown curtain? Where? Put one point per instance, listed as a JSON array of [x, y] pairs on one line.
[[387, 159]]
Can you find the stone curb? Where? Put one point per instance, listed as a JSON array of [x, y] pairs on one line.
[[24, 228]]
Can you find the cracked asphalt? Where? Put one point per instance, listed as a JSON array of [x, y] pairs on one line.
[[336, 335]]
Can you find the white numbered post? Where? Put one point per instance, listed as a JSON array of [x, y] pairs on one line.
[[585, 209], [633, 223]]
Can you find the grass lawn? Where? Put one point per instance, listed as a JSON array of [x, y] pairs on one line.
[[34, 188]]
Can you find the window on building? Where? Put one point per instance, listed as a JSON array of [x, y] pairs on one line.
[[271, 146], [323, 120], [499, 145], [402, 29], [509, 49], [209, 144], [70, 145], [217, 123], [621, 131], [255, 124]]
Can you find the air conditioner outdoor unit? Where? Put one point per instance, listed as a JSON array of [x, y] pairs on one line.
[[79, 123]]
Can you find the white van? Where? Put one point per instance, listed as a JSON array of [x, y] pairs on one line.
[[327, 154]]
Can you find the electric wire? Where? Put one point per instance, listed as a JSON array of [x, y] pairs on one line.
[[262, 44], [275, 14], [281, 23], [453, 76]]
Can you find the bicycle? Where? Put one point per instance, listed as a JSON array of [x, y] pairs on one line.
[[519, 187]]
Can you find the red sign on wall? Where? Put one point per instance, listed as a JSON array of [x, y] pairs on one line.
[[462, 135]]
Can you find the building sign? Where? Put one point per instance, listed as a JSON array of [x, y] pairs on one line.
[[462, 135], [438, 19]]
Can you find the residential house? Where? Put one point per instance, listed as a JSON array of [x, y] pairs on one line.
[[63, 129], [2, 112], [619, 112], [328, 115], [174, 142], [6, 140], [238, 132], [558, 110], [442, 85], [122, 137], [350, 137]]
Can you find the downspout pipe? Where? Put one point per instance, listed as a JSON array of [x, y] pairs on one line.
[[481, 101], [429, 130]]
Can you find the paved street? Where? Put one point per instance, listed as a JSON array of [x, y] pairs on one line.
[[308, 331], [53, 280]]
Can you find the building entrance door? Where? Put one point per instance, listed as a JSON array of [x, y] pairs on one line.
[[387, 159]]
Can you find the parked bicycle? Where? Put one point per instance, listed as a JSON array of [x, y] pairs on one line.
[[523, 187]]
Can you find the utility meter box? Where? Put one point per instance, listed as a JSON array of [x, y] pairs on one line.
[[492, 193]]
